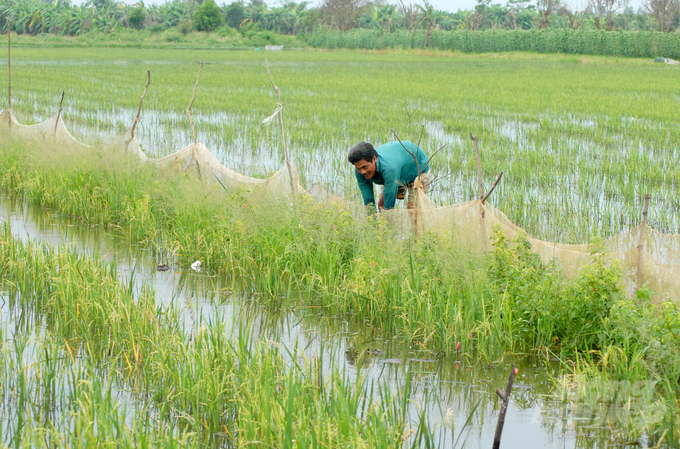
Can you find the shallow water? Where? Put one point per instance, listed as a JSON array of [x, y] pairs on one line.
[[537, 417]]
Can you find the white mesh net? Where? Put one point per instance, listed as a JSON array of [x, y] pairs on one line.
[[653, 259]]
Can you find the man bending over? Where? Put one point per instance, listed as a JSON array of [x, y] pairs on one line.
[[389, 165]]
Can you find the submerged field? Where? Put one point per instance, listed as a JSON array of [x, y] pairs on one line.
[[580, 141]]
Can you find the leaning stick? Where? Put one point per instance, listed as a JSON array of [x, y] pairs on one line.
[[193, 130], [283, 133], [139, 110], [505, 396], [641, 243], [61, 104], [479, 167], [415, 159], [498, 178]]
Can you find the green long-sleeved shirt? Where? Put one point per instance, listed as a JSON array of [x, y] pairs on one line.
[[395, 167]]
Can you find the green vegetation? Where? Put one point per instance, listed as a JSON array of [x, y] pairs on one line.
[[62, 18], [647, 44], [580, 139], [546, 26], [424, 292], [89, 347]]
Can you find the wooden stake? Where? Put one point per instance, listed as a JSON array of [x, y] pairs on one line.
[[498, 178], [641, 244], [505, 396], [61, 104], [479, 166], [139, 110], [283, 133], [193, 130]]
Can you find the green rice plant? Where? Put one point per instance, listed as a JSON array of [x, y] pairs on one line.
[[578, 137], [103, 346], [581, 142]]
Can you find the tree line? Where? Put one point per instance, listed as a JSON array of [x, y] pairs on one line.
[[60, 17]]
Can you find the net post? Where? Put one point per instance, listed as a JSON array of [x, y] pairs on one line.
[[283, 133], [505, 397], [498, 178], [641, 243], [139, 110], [418, 213], [61, 104], [479, 166]]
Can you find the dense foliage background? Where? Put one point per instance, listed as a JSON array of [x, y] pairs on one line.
[[60, 17]]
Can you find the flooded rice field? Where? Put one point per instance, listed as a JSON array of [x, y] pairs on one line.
[[462, 406], [580, 144], [578, 153]]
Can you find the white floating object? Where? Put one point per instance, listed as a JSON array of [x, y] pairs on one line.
[[196, 266], [273, 47]]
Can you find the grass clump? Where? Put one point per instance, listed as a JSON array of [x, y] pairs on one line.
[[615, 349]]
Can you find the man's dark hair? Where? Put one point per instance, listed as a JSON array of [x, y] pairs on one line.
[[362, 151]]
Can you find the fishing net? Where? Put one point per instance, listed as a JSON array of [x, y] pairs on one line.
[[194, 158], [52, 128], [198, 159], [646, 255]]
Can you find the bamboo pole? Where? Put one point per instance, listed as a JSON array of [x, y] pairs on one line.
[[283, 133], [193, 97], [505, 396], [479, 166], [641, 244], [139, 110], [61, 104], [141, 100]]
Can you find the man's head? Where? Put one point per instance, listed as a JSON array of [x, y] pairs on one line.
[[364, 157]]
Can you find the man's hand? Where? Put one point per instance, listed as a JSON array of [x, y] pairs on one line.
[[381, 202]]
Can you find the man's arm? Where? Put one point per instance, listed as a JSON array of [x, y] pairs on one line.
[[366, 188], [390, 190]]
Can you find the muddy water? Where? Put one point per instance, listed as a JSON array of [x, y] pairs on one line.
[[537, 416]]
